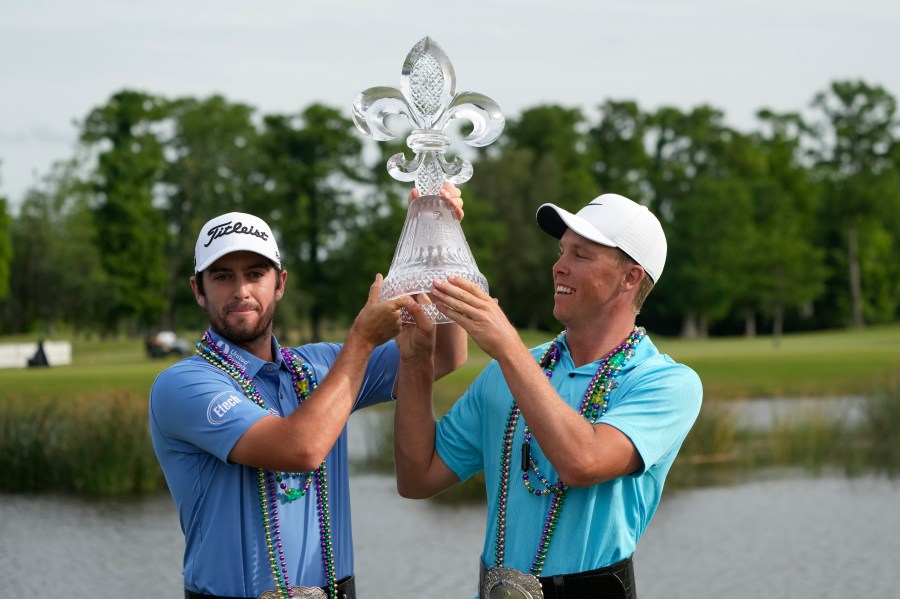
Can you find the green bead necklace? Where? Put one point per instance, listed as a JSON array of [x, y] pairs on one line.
[[269, 482], [593, 406]]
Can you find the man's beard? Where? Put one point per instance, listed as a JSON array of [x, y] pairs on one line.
[[242, 335]]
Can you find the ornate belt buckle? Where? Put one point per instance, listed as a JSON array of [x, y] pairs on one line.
[[508, 583], [299, 593]]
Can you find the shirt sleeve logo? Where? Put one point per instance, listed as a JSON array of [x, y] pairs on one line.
[[221, 404]]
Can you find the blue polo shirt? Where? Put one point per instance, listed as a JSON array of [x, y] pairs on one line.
[[197, 414], [655, 403]]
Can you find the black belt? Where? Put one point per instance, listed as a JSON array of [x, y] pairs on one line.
[[610, 582], [346, 590]]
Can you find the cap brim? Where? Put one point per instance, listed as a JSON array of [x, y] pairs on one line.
[[554, 221], [211, 259]]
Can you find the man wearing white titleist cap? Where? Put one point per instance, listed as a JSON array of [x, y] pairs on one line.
[[576, 436], [252, 436]]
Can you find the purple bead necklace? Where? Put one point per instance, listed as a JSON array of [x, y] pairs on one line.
[[593, 406], [269, 482]]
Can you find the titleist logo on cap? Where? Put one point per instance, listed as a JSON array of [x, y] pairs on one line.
[[228, 228]]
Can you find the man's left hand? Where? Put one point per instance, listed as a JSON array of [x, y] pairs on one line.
[[466, 304]]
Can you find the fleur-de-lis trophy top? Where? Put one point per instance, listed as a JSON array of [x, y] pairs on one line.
[[432, 244]]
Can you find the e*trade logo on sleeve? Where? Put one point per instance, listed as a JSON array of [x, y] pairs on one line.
[[221, 404]]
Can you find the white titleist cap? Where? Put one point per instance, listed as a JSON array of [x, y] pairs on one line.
[[615, 221], [234, 232]]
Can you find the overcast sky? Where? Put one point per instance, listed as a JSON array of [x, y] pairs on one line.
[[61, 58]]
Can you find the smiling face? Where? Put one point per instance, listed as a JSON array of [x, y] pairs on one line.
[[589, 281], [240, 291]]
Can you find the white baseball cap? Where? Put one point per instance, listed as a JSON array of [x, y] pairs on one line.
[[615, 221], [234, 232]]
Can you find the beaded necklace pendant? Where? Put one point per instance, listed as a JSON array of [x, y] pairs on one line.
[[593, 406], [268, 482]]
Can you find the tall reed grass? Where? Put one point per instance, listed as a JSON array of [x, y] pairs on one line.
[[717, 451], [882, 429], [91, 445], [99, 445]]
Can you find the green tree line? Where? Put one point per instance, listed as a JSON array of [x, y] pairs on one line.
[[794, 225]]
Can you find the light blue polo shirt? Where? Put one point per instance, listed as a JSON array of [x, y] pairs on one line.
[[197, 414], [655, 403]]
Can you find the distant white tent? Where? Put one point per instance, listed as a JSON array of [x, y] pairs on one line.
[[18, 355]]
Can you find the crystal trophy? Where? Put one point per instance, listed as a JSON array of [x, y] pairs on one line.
[[432, 245]]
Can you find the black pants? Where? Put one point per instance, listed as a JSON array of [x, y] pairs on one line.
[[612, 582]]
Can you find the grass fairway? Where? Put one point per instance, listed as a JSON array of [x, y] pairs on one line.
[[831, 363], [822, 364], [119, 365]]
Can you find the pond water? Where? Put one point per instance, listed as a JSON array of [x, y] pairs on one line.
[[785, 535]]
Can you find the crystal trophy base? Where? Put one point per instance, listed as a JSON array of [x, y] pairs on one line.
[[421, 282], [432, 247]]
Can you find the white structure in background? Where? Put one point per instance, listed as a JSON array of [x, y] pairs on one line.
[[166, 343], [17, 355]]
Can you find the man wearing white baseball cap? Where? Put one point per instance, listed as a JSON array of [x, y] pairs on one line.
[[233, 232], [252, 436], [576, 436]]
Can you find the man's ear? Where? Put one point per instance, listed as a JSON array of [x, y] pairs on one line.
[[634, 274], [201, 299], [279, 291]]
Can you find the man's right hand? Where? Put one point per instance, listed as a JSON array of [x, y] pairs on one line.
[[417, 341], [379, 320]]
